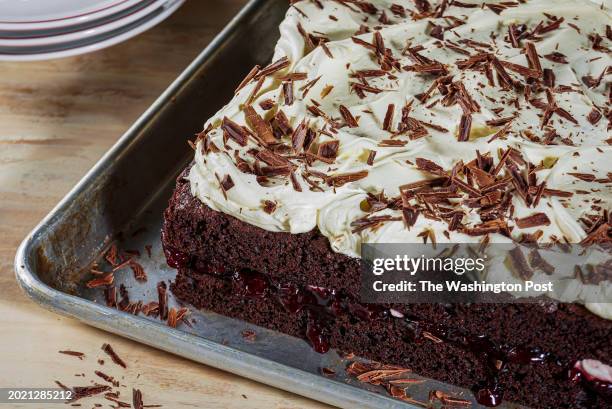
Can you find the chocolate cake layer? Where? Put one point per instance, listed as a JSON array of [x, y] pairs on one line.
[[536, 345]]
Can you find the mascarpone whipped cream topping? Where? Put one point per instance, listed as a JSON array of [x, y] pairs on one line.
[[405, 121]]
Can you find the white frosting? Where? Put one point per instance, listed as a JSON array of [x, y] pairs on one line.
[[332, 210]]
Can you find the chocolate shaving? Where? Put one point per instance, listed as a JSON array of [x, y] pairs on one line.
[[162, 297], [328, 150], [272, 68], [256, 122], [79, 355], [519, 263], [249, 77], [371, 157], [344, 178], [537, 262], [105, 280], [532, 57], [388, 118], [557, 57], [280, 125], [536, 219], [594, 116], [429, 166], [107, 378], [234, 131], [587, 177], [349, 119], [465, 128], [113, 355], [137, 399], [410, 215], [80, 392], [299, 136], [288, 92]]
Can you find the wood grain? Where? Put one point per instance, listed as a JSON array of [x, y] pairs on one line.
[[57, 119]]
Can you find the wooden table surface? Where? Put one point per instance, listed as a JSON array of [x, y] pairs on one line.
[[57, 118]]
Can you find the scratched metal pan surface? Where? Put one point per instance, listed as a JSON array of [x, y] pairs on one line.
[[122, 199]]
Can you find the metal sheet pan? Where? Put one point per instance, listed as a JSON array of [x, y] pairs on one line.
[[122, 199]]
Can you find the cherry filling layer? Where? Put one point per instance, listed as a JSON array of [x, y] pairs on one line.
[[323, 306]]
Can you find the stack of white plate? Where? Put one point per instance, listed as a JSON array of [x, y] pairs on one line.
[[44, 29]]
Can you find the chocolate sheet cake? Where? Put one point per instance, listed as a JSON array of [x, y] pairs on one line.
[[404, 121]]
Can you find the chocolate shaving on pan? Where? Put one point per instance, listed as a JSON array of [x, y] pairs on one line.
[[138, 270], [344, 178], [234, 131], [172, 318], [137, 399], [111, 255], [80, 392], [277, 65], [328, 150], [328, 372], [249, 335], [107, 378], [388, 118], [249, 77], [536, 219], [349, 119], [105, 280], [261, 127], [448, 400], [119, 403], [79, 355], [110, 295], [113, 355], [162, 297]]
